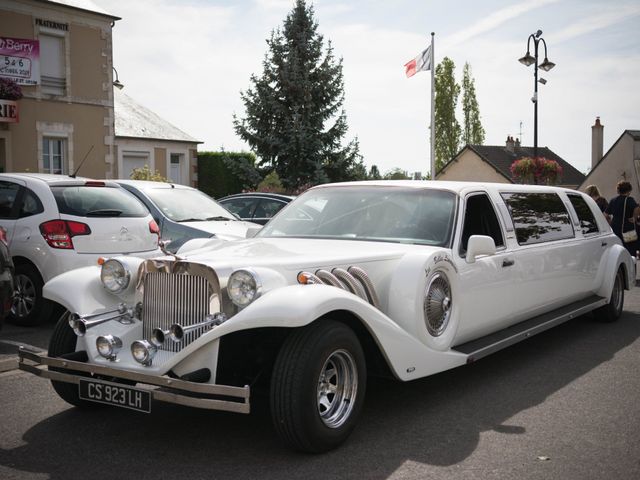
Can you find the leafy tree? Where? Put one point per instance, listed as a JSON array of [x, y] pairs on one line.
[[295, 121], [396, 174], [447, 127], [374, 173], [472, 133], [145, 173], [271, 183]]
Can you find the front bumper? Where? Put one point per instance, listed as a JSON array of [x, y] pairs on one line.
[[162, 388]]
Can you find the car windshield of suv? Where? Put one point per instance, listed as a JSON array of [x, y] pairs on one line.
[[186, 205], [390, 214], [97, 201]]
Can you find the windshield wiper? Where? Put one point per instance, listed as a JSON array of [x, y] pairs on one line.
[[220, 218], [104, 212], [191, 220]]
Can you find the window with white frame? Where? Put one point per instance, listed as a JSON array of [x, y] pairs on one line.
[[53, 155], [52, 64]]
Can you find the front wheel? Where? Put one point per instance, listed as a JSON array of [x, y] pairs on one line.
[[318, 386], [612, 310], [62, 343]]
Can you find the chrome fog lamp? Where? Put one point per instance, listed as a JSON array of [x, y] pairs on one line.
[[143, 352], [108, 346], [115, 276], [243, 287]]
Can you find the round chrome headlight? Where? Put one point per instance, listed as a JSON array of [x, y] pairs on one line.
[[437, 304], [115, 276], [108, 346], [143, 351], [243, 287]]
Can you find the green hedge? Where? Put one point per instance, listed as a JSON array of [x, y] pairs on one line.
[[216, 178]]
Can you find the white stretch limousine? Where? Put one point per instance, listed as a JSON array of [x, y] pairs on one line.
[[403, 278]]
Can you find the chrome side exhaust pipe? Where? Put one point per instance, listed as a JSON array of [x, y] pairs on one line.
[[80, 324]]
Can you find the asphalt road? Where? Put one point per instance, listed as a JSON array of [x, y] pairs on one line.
[[561, 405]]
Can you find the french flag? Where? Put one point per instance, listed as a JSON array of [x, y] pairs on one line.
[[418, 64]]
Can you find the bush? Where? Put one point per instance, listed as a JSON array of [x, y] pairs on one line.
[[226, 173], [145, 173]]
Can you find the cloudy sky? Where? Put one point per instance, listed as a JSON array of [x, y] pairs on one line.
[[187, 60]]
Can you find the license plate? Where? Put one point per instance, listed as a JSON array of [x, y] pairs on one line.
[[115, 394]]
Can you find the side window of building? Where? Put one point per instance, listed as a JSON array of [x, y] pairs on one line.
[[538, 217], [54, 155], [31, 205], [480, 219], [587, 220], [8, 193], [52, 64]]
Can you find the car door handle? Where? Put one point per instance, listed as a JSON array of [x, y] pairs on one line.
[[604, 244], [509, 262]]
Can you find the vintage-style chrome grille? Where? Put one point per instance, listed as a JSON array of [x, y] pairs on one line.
[[175, 298]]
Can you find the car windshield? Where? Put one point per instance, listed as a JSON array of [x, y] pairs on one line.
[[97, 201], [186, 205], [375, 213]]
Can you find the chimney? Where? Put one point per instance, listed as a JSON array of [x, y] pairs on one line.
[[510, 144], [597, 142]]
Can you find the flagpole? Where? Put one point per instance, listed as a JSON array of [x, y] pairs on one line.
[[433, 114]]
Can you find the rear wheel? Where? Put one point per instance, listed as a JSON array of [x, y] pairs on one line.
[[29, 306], [612, 310], [318, 386]]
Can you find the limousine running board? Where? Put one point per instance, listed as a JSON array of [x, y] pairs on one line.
[[481, 347]]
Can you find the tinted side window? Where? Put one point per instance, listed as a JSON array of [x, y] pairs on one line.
[[538, 217], [480, 219], [31, 205], [243, 207], [588, 222], [8, 194]]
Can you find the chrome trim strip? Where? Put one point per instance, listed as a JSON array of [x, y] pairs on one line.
[[354, 286], [363, 278], [242, 394]]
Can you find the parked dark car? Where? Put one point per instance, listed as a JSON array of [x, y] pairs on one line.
[[184, 213], [6, 277], [255, 206]]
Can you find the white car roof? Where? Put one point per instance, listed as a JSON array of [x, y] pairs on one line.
[[149, 185], [49, 178], [456, 187]]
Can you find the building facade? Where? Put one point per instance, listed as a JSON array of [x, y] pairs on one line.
[[492, 163], [60, 53], [621, 162], [144, 138]]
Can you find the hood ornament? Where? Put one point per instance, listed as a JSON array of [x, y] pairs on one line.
[[163, 244]]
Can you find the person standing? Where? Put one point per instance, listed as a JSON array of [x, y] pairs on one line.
[[594, 193], [622, 212]]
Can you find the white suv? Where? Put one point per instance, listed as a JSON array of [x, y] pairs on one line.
[[56, 223]]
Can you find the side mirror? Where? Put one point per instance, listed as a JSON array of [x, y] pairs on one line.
[[480, 245], [252, 232]]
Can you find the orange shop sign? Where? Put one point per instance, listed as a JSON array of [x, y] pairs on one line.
[[9, 112]]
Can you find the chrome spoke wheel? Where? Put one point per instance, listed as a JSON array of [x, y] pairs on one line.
[[617, 294], [25, 296], [337, 388]]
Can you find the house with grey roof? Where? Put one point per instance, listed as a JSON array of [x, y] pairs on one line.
[[621, 162], [491, 163], [144, 138]]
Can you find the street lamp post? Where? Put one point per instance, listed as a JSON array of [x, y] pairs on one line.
[[546, 65]]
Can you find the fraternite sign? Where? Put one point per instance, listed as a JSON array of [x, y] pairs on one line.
[[20, 60]]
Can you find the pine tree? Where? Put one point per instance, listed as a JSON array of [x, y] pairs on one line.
[[295, 121], [448, 130], [473, 133]]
